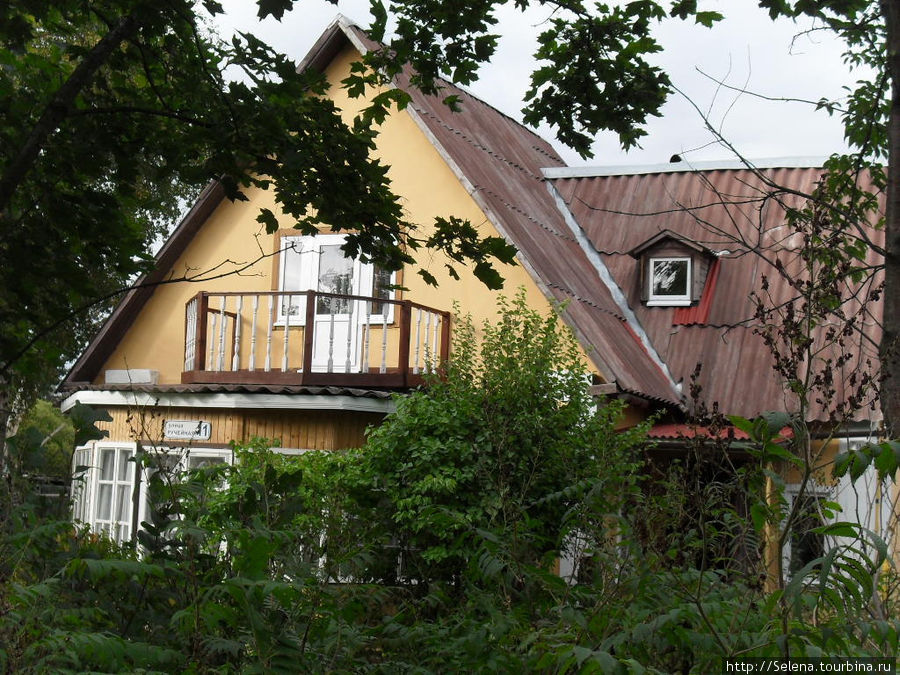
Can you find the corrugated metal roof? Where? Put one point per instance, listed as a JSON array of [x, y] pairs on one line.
[[739, 215], [232, 389]]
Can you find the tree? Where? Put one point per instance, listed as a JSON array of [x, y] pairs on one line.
[[114, 112], [507, 445]]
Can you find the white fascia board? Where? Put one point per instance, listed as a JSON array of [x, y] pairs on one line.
[[683, 167], [230, 401]]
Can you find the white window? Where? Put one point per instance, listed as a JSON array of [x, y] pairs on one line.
[[669, 281], [804, 545], [104, 492], [318, 263]]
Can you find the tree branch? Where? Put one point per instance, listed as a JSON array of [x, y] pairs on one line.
[[59, 107]]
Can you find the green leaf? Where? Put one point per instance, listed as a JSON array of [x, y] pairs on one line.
[[839, 529], [274, 8], [742, 423], [708, 18]]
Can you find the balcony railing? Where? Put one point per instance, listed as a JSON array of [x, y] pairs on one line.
[[311, 338]]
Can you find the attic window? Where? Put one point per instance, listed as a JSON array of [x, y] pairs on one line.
[[669, 281]]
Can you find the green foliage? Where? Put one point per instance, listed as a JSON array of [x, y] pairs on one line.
[[507, 441], [433, 548], [57, 439]]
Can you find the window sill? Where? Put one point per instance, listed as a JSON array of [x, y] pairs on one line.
[[669, 302]]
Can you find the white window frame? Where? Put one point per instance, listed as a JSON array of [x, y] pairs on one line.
[[680, 300], [86, 486], [791, 494], [293, 247]]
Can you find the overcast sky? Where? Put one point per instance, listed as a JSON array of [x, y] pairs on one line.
[[747, 50]]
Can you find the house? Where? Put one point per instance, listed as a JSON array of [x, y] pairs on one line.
[[654, 267], [306, 346]]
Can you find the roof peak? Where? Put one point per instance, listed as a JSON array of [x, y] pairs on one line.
[[684, 167]]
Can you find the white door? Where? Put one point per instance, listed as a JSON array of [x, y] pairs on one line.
[[318, 263]]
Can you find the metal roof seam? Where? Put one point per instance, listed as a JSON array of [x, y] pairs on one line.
[[584, 301], [474, 98], [525, 214], [478, 145], [556, 159]]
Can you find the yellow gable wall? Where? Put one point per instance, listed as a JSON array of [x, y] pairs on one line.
[[232, 238]]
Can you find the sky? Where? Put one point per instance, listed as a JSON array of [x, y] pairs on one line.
[[746, 51]]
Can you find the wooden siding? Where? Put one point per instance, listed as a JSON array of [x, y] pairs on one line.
[[306, 429]]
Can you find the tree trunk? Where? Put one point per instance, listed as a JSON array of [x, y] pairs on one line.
[[890, 341]]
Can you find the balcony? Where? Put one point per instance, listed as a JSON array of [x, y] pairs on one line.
[[312, 338]]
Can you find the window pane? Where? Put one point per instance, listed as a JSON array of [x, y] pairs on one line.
[[670, 277], [292, 262], [292, 276], [335, 276], [381, 281], [123, 503], [107, 463], [197, 462], [125, 467], [104, 502]]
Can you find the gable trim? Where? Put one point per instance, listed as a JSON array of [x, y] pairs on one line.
[[332, 40], [683, 167]]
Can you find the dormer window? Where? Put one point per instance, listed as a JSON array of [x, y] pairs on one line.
[[673, 269], [669, 281]]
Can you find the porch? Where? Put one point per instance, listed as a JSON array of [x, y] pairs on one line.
[[312, 338]]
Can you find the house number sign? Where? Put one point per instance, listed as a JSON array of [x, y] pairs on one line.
[[187, 430]]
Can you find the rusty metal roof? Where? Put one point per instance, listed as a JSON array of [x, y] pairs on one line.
[[231, 389], [740, 216]]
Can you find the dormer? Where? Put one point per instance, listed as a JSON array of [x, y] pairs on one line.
[[673, 269]]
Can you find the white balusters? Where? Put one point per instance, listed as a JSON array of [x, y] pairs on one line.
[[418, 332], [330, 366], [350, 331], [236, 357], [252, 362], [434, 341], [384, 332], [272, 300], [211, 361], [427, 335], [285, 347], [222, 324], [367, 337]]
